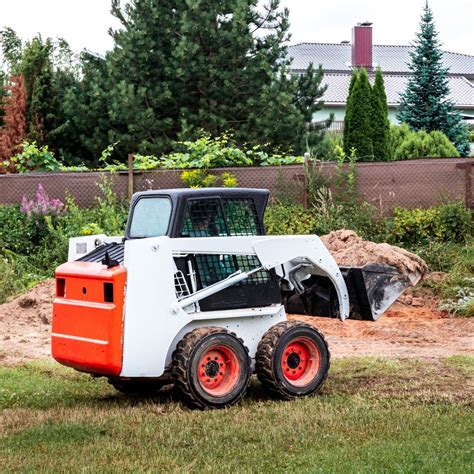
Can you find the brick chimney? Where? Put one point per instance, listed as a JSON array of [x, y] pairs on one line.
[[362, 45]]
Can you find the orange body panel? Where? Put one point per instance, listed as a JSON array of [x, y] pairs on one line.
[[87, 331]]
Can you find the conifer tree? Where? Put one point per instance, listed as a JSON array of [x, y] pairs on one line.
[[178, 68], [360, 134], [425, 104], [13, 131], [348, 114], [380, 121]]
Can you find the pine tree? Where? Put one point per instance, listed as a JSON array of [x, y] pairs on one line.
[[13, 131], [178, 68], [41, 98], [425, 104], [349, 112], [380, 121], [360, 128]]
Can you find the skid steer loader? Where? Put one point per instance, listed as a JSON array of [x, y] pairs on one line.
[[197, 295]]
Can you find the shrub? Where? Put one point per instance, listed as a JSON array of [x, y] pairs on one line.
[[446, 223], [33, 158], [207, 152], [198, 178], [18, 232], [289, 219], [229, 180], [279, 160], [457, 290], [406, 144]]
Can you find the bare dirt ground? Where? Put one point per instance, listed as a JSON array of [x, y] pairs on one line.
[[413, 327]]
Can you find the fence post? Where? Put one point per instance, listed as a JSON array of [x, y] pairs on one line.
[[467, 180], [130, 176]]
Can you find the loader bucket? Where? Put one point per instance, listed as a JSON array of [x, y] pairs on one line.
[[372, 289]]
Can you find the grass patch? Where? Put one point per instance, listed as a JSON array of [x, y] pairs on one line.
[[373, 415]]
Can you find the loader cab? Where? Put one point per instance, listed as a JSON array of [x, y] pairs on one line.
[[209, 212]]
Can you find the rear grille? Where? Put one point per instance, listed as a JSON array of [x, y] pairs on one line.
[[115, 251]]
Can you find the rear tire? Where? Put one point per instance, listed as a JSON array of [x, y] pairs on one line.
[[292, 360], [211, 368]]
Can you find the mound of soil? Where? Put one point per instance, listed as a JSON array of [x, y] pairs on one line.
[[25, 325], [349, 249]]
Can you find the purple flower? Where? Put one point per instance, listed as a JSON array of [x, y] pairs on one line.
[[41, 205]]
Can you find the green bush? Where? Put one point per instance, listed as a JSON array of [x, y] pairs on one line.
[[406, 144], [289, 219], [446, 223], [207, 152], [457, 290], [19, 232], [32, 246], [33, 158]]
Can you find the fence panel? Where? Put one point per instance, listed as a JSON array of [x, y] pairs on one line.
[[415, 183]]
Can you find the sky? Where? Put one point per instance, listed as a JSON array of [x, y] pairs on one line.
[[85, 23]]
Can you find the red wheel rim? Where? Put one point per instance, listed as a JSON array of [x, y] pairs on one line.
[[300, 361], [218, 370]]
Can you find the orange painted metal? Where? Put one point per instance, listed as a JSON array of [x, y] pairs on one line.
[[87, 331]]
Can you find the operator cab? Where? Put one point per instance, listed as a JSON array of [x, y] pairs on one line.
[[206, 212]]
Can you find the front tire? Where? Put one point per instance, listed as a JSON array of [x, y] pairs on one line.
[[211, 368], [292, 360]]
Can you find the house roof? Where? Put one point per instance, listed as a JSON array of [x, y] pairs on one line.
[[391, 58], [461, 90]]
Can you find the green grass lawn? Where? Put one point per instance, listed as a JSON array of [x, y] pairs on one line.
[[373, 415]]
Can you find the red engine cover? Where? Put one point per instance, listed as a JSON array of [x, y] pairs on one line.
[[88, 309]]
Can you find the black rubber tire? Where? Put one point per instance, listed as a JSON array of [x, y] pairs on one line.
[[137, 388], [269, 356], [186, 359]]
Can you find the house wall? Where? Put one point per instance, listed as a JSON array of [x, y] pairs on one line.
[[340, 111]]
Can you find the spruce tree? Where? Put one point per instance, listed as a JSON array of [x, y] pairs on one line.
[[360, 128], [380, 121], [425, 104], [348, 114]]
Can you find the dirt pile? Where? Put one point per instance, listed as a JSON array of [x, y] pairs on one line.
[[348, 248], [25, 325]]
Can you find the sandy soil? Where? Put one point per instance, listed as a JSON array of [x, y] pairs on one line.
[[416, 329], [348, 248], [25, 325]]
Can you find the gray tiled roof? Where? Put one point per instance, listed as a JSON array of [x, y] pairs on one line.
[[462, 91], [337, 57]]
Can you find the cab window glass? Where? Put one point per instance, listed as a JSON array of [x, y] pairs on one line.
[[151, 217]]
